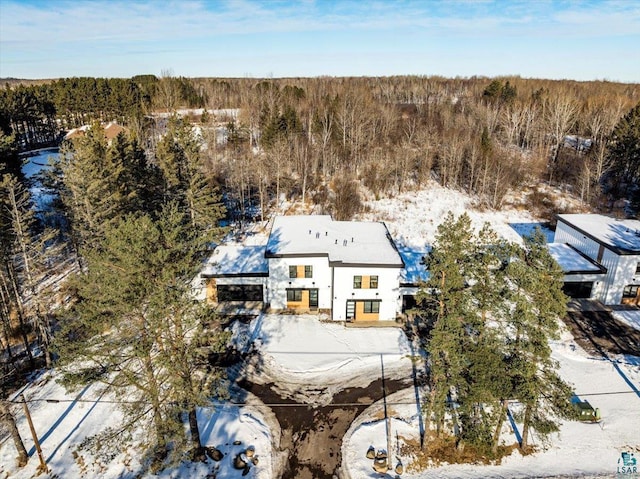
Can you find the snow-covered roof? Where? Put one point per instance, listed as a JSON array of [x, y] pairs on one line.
[[236, 260], [572, 261], [343, 242], [414, 270], [621, 236]]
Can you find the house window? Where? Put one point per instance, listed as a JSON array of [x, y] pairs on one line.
[[373, 282], [294, 295], [357, 282], [638, 269], [293, 271], [308, 271], [371, 306], [630, 291]]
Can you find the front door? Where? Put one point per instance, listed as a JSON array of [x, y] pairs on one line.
[[313, 298]]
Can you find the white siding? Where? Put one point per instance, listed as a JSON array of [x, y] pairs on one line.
[[388, 291], [566, 234], [279, 280], [624, 275], [620, 268]]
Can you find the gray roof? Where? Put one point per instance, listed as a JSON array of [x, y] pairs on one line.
[[621, 236], [343, 242]]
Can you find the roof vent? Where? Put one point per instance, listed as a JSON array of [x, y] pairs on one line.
[[309, 231], [326, 233], [336, 242]]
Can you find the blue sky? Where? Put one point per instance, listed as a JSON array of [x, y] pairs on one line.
[[582, 40]]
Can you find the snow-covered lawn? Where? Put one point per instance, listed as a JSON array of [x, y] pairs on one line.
[[580, 449], [61, 427]]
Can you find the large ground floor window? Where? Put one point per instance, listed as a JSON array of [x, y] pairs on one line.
[[578, 289], [240, 292]]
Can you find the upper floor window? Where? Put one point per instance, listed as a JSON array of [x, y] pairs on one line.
[[357, 282], [638, 268], [308, 271], [293, 271], [373, 282]]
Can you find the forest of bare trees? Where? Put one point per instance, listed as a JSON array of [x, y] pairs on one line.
[[308, 138]]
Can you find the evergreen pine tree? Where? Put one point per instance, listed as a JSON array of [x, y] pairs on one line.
[[447, 288], [538, 304], [137, 327], [178, 155]]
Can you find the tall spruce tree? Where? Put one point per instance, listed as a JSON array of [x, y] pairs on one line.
[[448, 263], [538, 303], [179, 159], [137, 327]]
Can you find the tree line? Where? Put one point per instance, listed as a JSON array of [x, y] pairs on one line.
[[318, 138], [315, 139], [37, 114]]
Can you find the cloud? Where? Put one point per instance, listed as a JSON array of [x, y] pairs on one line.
[[73, 22], [82, 31]]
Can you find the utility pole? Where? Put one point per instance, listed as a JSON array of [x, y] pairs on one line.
[[43, 463], [387, 419]]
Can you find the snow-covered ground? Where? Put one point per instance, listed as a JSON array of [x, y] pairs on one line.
[[310, 358], [413, 217], [630, 317], [578, 450], [62, 421]]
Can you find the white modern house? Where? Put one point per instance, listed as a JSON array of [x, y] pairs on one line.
[[600, 257], [350, 270]]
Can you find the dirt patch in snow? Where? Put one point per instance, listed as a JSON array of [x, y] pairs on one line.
[[598, 332], [312, 436]]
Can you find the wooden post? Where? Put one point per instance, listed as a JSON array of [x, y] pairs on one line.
[[43, 463]]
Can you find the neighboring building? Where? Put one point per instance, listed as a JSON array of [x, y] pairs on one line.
[[111, 130], [351, 270], [600, 256]]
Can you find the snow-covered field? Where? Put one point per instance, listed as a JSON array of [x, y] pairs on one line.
[[630, 317], [62, 421], [311, 359]]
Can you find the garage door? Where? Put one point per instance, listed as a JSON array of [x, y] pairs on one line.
[[578, 290], [240, 292]]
